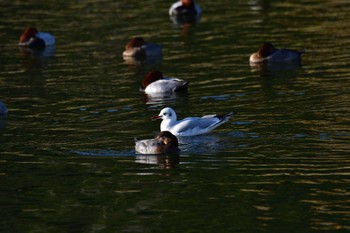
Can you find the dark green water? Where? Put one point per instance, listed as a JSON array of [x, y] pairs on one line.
[[282, 164]]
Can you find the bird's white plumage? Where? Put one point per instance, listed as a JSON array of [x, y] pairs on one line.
[[174, 6], [189, 126], [147, 146], [165, 85], [177, 4]]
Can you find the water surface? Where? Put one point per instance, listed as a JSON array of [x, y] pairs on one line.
[[67, 146]]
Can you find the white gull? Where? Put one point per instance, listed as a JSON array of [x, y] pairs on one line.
[[190, 126]]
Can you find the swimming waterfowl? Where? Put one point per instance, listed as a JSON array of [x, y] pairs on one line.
[[189, 126], [164, 143], [138, 48], [183, 7], [268, 53], [154, 82], [32, 38]]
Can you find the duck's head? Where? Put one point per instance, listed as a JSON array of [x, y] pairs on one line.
[[152, 77], [187, 3], [168, 138], [27, 34], [266, 50], [135, 43], [166, 114]]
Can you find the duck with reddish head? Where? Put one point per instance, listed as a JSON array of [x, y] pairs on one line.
[[184, 7], [185, 12], [164, 143], [267, 53], [137, 48], [155, 82], [34, 39]]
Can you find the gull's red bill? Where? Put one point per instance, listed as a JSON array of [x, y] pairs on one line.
[[156, 117]]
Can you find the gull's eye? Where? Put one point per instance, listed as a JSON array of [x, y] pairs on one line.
[[164, 114]]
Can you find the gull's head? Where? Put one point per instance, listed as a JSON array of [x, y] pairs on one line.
[[166, 114]]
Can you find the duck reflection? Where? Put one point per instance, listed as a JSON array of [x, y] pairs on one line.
[[36, 58], [149, 61], [161, 99], [270, 76], [260, 5], [266, 67], [164, 161], [185, 23], [3, 122], [181, 21]]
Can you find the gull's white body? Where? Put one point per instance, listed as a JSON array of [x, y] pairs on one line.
[[190, 126]]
